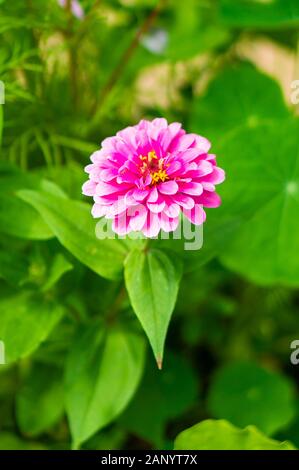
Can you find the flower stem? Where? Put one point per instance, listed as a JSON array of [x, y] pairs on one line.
[[128, 53]]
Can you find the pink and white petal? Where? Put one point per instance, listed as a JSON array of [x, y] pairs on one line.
[[208, 199], [169, 224], [169, 187], [192, 188], [184, 201], [152, 225], [182, 143], [172, 210], [196, 215], [117, 208], [175, 168], [108, 174], [201, 143], [160, 122], [208, 187], [153, 195], [97, 156], [89, 188], [105, 189], [98, 210], [216, 177], [120, 224], [140, 194], [156, 207], [129, 198], [137, 216], [189, 155]]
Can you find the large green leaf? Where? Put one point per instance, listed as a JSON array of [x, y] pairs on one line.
[[25, 321], [1, 125], [262, 187], [161, 397], [190, 33], [16, 217], [245, 393], [222, 435], [103, 371], [152, 280], [13, 267], [40, 402], [9, 441], [246, 98], [74, 227], [256, 142], [260, 13]]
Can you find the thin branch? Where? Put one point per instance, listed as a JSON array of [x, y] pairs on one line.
[[72, 54], [127, 55]]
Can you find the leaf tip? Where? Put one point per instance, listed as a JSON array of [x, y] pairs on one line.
[[159, 362]]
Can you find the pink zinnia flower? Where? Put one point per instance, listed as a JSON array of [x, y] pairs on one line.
[[147, 175]]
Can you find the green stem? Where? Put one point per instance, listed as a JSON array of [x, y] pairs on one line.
[[128, 53], [73, 62]]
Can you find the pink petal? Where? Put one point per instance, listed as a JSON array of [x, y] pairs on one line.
[[140, 194], [172, 210], [137, 216], [186, 202], [169, 187], [194, 189], [196, 215], [153, 197], [208, 199], [98, 210], [152, 225], [169, 224], [89, 188], [120, 224], [156, 206]]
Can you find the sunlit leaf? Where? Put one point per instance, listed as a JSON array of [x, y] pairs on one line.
[[222, 435], [103, 371], [245, 393], [152, 280]]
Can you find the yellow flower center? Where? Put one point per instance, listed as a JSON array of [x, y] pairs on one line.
[[155, 166]]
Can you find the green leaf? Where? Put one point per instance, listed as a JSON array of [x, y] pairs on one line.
[[261, 184], [260, 14], [267, 207], [161, 397], [26, 320], [152, 280], [40, 401], [1, 124], [245, 393], [190, 33], [13, 267], [103, 371], [74, 227], [16, 217], [250, 98], [9, 441], [59, 266], [222, 435]]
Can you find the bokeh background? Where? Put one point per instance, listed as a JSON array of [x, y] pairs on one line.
[[75, 72]]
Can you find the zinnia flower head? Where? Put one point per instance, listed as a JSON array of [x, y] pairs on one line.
[[147, 175]]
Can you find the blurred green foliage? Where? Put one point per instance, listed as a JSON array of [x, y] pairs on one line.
[[79, 373]]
